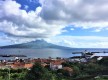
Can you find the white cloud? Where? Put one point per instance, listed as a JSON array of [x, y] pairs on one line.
[[8, 40], [26, 7], [54, 15], [80, 41], [97, 30], [33, 1], [72, 29], [80, 13], [17, 22]]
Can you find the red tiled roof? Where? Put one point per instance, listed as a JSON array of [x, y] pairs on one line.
[[28, 65], [56, 63]]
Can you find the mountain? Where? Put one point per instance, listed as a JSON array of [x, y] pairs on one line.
[[38, 44]]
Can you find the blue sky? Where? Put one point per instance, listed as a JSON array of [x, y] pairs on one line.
[[32, 4], [84, 32], [73, 23]]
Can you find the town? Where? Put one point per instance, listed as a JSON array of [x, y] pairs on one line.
[[94, 67], [54, 63]]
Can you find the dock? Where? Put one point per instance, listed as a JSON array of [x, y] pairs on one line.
[[10, 55]]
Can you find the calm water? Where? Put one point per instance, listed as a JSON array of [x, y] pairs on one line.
[[45, 53]]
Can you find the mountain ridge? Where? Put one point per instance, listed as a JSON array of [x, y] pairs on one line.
[[37, 44]]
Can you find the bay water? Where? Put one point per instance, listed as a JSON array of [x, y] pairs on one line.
[[48, 52]]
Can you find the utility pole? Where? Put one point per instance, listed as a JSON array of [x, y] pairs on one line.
[[9, 71]]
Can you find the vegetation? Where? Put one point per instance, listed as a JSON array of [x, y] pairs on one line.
[[38, 72], [80, 71], [13, 74]]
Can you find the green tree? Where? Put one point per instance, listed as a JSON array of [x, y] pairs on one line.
[[38, 72]]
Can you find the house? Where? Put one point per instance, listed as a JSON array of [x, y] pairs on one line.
[[55, 65], [3, 66], [28, 66], [44, 64], [77, 59], [17, 65]]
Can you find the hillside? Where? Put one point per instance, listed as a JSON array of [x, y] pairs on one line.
[[38, 44]]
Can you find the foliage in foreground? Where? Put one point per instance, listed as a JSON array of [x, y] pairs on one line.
[[81, 71]]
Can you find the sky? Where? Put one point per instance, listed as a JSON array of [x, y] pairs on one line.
[[72, 23]]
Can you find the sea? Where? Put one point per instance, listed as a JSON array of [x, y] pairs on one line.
[[48, 52]]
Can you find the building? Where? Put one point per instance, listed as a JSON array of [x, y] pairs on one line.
[[55, 65]]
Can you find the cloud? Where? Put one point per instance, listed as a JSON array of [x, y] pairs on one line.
[[33, 1], [19, 23], [80, 41], [72, 29], [26, 7], [80, 13], [51, 19], [9, 40]]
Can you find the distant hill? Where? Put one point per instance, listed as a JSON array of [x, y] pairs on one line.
[[38, 44]]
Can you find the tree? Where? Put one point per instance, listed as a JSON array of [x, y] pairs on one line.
[[38, 72]]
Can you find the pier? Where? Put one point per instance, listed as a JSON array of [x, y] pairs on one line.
[[10, 55]]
